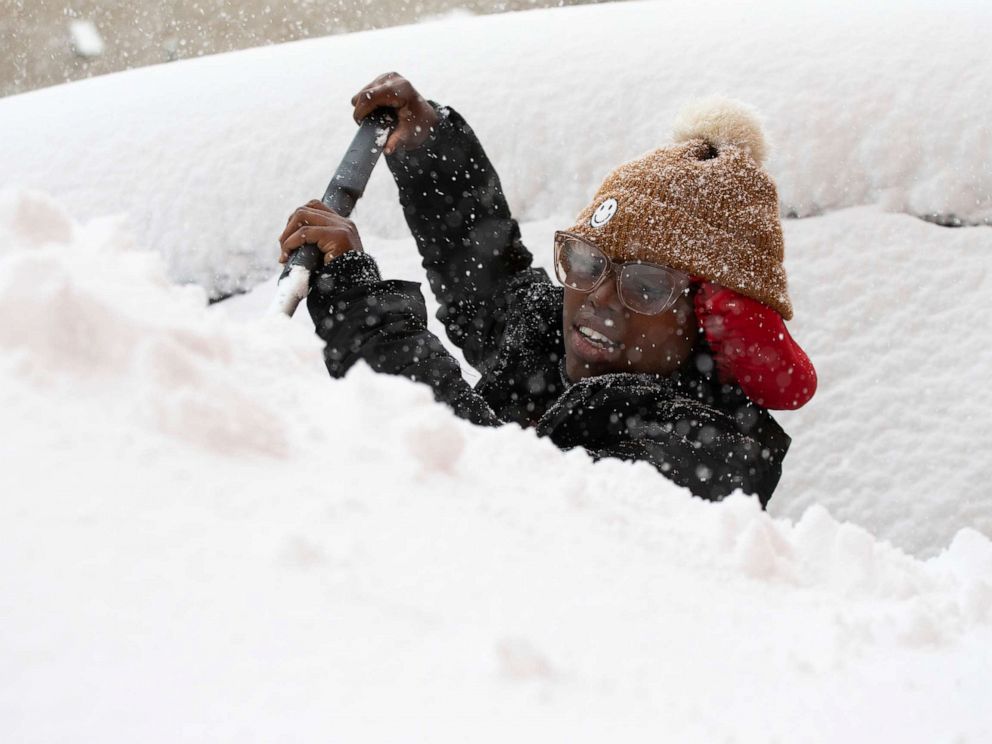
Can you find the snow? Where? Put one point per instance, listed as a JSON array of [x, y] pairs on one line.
[[86, 40], [205, 538], [892, 310], [856, 107], [202, 537]]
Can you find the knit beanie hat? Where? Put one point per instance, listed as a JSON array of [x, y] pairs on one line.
[[704, 206]]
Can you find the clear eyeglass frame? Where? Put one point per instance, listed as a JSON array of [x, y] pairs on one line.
[[629, 276]]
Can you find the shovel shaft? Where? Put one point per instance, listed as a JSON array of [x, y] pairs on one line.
[[343, 192]]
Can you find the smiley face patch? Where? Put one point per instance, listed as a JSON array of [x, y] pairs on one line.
[[604, 213]]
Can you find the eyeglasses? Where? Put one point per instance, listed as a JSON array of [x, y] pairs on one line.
[[645, 288]]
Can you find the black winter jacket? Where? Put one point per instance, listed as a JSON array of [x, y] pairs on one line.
[[506, 317]]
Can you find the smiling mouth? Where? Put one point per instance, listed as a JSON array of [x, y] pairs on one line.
[[596, 338]]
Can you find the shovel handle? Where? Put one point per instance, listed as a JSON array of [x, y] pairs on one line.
[[343, 192]]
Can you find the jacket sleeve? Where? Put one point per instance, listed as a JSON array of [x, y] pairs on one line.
[[708, 450], [359, 316], [470, 245]]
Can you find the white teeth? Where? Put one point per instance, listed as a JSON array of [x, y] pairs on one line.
[[595, 336]]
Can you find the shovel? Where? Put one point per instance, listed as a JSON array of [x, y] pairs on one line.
[[343, 192]]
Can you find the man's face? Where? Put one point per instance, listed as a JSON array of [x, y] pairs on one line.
[[601, 335]]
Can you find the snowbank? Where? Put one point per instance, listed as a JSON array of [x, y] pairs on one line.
[[203, 538], [894, 315], [864, 101]]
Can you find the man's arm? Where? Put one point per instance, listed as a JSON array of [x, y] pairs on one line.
[[505, 315], [475, 261], [359, 316]]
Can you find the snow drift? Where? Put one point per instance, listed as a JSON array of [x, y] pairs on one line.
[[205, 538]]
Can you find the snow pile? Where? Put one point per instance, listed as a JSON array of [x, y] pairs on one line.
[[209, 156], [893, 311], [202, 537]]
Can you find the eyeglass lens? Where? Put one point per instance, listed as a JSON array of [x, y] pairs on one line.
[[579, 265], [643, 288]]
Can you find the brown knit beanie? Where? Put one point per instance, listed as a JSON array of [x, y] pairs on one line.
[[704, 206]]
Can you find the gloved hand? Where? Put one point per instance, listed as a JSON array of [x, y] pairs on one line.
[[753, 348]]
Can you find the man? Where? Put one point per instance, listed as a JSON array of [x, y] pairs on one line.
[[666, 342]]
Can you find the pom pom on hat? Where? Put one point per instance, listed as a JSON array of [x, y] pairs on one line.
[[722, 122]]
